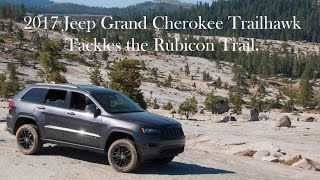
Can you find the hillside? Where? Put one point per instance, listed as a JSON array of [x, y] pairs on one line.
[[49, 7], [70, 8], [270, 128]]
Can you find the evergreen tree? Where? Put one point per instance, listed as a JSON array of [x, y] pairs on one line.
[[167, 106], [48, 58], [236, 99], [20, 34], [13, 78], [187, 70], [126, 78], [168, 81], [211, 101], [306, 92], [218, 82], [95, 76], [206, 76], [105, 55]]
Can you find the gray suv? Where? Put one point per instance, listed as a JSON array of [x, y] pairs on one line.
[[93, 118]]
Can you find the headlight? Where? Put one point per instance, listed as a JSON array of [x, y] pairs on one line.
[[150, 131]]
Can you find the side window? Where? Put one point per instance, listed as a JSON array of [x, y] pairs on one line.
[[81, 102], [35, 95], [56, 98]]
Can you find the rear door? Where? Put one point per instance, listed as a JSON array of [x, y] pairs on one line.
[[31, 102], [53, 111], [85, 129]]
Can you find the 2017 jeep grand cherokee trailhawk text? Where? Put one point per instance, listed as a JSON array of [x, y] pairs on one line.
[[92, 118]]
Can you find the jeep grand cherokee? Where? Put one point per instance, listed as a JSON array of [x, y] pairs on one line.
[[92, 118]]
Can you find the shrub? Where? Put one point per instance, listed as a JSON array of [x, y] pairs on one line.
[[167, 106]]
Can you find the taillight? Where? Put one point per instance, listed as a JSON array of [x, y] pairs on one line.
[[11, 104]]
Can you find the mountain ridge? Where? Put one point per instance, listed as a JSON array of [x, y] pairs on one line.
[[50, 7]]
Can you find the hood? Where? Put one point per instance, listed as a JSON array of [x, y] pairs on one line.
[[147, 119]]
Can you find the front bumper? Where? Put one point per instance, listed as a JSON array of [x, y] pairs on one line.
[[157, 148]]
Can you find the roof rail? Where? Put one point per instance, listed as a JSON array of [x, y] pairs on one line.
[[59, 85]]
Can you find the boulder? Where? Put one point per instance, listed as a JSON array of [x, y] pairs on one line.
[[254, 114], [309, 119], [232, 118], [289, 159], [263, 117], [278, 154], [243, 117], [307, 164], [221, 118], [222, 107], [283, 122], [270, 159], [248, 153], [260, 154]]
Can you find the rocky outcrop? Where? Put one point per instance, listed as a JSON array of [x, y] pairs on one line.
[[222, 107], [260, 154], [221, 118], [270, 159], [254, 115], [308, 119], [307, 164], [232, 118], [263, 117], [289, 159], [278, 154], [283, 122], [248, 153]]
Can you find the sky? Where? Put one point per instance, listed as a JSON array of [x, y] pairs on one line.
[[117, 3]]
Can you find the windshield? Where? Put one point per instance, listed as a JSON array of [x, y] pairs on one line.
[[117, 103]]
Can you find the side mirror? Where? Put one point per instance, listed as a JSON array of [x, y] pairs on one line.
[[97, 113]]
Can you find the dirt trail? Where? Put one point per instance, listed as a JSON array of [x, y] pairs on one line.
[[56, 162]]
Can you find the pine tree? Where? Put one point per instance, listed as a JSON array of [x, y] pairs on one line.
[[105, 55], [218, 82], [13, 78], [306, 92], [211, 101], [126, 78], [20, 34], [187, 70], [95, 76], [49, 55]]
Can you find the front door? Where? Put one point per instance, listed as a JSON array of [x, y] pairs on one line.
[[84, 128]]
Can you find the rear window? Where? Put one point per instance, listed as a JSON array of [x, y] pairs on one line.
[[56, 98], [35, 95]]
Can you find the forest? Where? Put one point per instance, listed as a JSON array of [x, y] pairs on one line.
[[263, 62]]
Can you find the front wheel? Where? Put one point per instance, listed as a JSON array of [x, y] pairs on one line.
[[28, 139], [123, 156]]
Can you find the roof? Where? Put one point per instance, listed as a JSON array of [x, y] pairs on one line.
[[86, 88]]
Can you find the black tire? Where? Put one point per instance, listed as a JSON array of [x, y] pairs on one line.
[[123, 156], [163, 161], [28, 139]]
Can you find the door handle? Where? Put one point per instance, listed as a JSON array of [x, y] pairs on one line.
[[71, 113], [41, 107]]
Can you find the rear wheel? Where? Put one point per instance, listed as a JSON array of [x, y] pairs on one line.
[[123, 156], [28, 139]]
